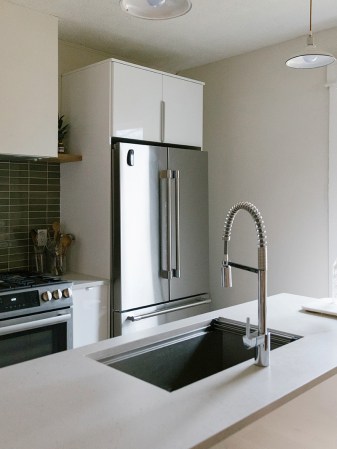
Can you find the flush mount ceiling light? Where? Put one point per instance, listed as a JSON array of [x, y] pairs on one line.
[[156, 9], [311, 58]]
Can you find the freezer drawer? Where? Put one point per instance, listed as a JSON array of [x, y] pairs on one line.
[[140, 319]]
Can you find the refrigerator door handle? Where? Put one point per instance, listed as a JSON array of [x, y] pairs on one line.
[[164, 311], [176, 174], [168, 175]]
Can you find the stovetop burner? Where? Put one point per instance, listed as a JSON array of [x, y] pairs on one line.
[[24, 279], [23, 292]]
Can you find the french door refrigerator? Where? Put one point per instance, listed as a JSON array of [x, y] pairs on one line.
[[160, 235]]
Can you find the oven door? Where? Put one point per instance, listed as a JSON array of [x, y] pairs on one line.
[[31, 336]]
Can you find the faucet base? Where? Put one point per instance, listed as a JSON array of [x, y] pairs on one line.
[[260, 342], [263, 351]]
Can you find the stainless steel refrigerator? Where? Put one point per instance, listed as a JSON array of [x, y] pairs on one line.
[[160, 235]]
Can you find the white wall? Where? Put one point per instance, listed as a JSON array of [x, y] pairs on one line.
[[266, 131], [72, 56]]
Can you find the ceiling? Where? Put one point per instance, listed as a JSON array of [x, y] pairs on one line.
[[211, 31]]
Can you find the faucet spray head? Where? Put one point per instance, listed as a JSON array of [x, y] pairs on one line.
[[226, 275]]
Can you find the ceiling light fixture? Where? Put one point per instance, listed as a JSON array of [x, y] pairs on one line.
[[156, 9], [311, 58]]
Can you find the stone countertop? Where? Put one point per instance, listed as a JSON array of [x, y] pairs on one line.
[[306, 422], [83, 280], [70, 401]]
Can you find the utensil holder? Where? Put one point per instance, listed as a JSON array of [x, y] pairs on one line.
[[56, 263], [40, 259]]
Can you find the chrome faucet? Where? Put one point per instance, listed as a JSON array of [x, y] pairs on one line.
[[261, 338]]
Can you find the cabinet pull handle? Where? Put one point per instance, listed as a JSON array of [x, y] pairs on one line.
[[162, 121]]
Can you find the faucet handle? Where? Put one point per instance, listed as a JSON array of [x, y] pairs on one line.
[[250, 340]]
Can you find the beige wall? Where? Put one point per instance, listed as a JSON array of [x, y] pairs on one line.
[[73, 57], [266, 131]]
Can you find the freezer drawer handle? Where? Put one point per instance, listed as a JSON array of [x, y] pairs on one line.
[[164, 311]]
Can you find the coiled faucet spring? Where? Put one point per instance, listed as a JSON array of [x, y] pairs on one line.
[[260, 339], [257, 217]]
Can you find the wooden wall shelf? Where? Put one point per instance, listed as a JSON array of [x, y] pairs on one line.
[[65, 157]]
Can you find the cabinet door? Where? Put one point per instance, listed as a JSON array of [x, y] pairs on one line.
[[183, 111], [136, 103], [28, 80], [90, 315], [86, 187]]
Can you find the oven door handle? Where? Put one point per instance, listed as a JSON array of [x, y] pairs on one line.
[[11, 329]]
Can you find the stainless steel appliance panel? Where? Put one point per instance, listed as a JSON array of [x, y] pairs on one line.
[[190, 258], [30, 336], [141, 319], [136, 230]]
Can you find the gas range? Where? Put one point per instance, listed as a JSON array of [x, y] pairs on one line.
[[36, 316], [26, 292], [24, 279]]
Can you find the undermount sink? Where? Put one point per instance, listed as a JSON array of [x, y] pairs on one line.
[[188, 357]]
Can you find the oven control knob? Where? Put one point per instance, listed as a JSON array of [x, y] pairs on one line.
[[67, 292], [57, 294], [46, 296]]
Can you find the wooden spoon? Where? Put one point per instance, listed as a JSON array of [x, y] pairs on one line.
[[65, 242], [56, 228]]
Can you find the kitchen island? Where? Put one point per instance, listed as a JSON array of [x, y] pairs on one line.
[[69, 400]]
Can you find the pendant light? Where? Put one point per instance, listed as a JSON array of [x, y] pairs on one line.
[[311, 58], [156, 9]]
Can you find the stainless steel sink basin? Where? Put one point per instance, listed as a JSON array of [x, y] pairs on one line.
[[176, 362]]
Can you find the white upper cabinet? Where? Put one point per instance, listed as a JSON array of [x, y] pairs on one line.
[[154, 106], [183, 111], [28, 82], [136, 103]]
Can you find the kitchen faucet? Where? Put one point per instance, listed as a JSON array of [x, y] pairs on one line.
[[261, 338]]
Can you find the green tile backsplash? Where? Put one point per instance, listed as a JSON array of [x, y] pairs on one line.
[[29, 198]]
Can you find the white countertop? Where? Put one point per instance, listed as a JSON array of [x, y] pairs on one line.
[[306, 422], [80, 280], [69, 401]]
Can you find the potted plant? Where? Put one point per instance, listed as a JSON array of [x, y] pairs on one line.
[[62, 131]]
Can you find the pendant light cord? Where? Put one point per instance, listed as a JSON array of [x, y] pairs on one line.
[[310, 33]]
